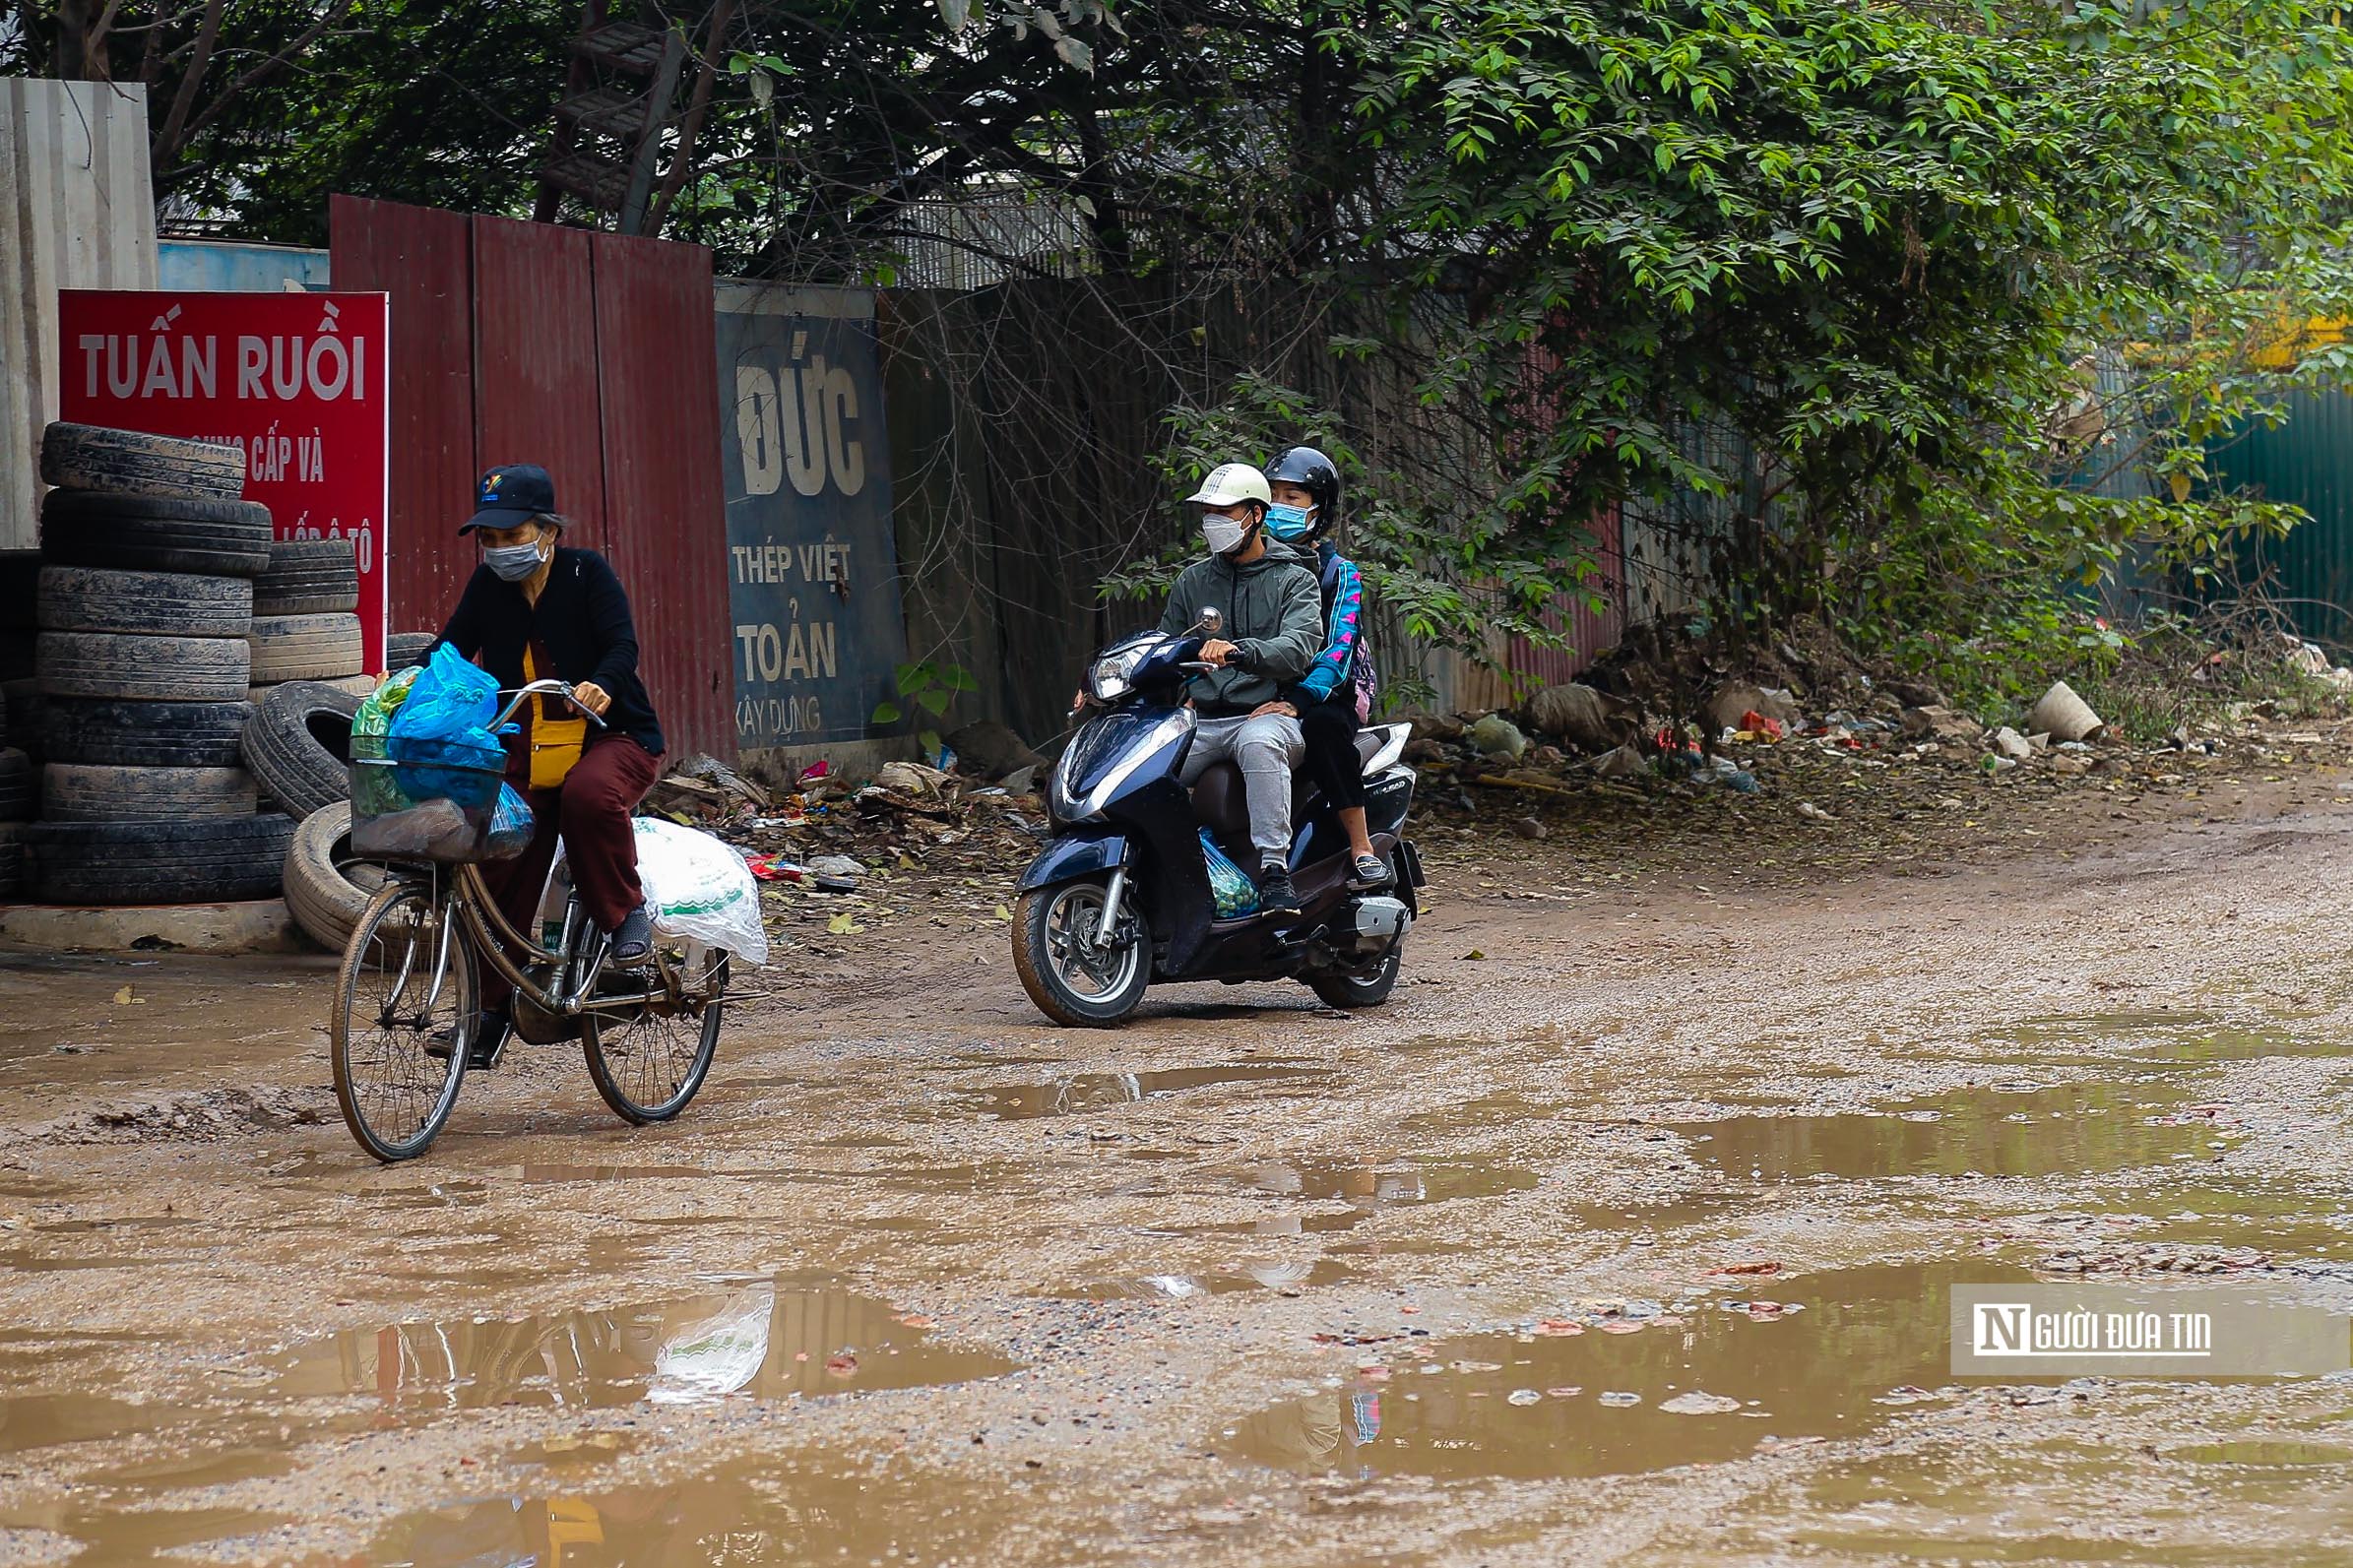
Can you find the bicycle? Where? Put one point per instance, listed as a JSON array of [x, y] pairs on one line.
[[408, 976]]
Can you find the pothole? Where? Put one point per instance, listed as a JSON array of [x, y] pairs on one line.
[[1083, 1091], [1707, 1378], [1990, 1131], [754, 1339]]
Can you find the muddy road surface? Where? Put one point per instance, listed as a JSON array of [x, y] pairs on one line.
[[1625, 1234]]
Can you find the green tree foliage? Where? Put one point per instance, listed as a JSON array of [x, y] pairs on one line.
[[1876, 245]]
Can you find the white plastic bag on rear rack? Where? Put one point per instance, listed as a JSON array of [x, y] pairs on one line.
[[697, 887]]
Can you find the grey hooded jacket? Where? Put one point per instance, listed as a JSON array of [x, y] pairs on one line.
[[1274, 613]]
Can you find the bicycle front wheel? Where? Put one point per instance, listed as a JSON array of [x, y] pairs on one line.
[[405, 1013], [648, 1061]]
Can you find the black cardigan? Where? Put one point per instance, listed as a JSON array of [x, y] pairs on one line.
[[582, 621]]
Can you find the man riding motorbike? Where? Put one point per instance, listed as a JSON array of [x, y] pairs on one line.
[[1271, 633]]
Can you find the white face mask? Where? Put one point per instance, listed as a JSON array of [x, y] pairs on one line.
[[1224, 533]]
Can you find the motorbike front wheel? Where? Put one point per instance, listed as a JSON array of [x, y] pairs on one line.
[[1075, 980]]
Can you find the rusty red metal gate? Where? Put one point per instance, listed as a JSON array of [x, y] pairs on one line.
[[592, 353]]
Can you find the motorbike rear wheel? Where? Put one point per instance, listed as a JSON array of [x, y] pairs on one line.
[[1365, 988], [1073, 980]]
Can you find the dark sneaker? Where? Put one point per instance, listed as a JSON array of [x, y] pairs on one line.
[[1366, 872], [489, 1042], [634, 939], [1276, 895]]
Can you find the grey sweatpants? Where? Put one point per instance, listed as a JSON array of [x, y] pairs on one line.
[[1267, 747]]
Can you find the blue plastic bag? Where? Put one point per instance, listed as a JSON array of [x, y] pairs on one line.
[[1230, 891], [511, 824], [452, 701]]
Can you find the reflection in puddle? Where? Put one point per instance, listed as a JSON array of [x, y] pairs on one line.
[[754, 1339], [802, 1509], [1379, 1181], [1702, 1385], [2067, 1129], [1063, 1096]]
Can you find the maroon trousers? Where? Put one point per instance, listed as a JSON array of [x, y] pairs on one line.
[[592, 811]]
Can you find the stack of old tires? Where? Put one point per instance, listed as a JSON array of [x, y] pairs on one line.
[[306, 663], [145, 607], [18, 787]]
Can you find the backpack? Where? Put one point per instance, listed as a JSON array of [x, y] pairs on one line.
[[1361, 682]]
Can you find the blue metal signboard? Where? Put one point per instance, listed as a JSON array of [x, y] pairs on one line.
[[813, 568]]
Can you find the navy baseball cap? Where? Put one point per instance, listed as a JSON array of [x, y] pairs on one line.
[[509, 494]]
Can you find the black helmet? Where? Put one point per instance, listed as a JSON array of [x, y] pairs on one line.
[[1315, 473]]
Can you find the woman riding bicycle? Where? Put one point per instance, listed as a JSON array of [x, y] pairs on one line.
[[538, 608]]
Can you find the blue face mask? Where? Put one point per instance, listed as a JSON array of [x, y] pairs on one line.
[[1288, 523]]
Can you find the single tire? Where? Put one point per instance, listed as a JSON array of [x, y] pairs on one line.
[[648, 1064], [206, 860], [300, 745], [327, 886], [1368, 988], [152, 735], [89, 457], [391, 999], [147, 534], [403, 648], [308, 576], [26, 705], [16, 786], [81, 791], [119, 665], [12, 860], [97, 598], [304, 647], [1073, 981]]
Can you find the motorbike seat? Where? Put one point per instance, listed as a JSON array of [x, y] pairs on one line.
[[1219, 805]]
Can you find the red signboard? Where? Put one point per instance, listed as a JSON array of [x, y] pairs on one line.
[[294, 381]]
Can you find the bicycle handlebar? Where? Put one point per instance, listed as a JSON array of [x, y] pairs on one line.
[[544, 688]]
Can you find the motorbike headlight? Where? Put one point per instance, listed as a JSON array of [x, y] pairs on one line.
[[1114, 675]]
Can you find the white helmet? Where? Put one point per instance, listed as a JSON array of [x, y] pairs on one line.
[[1230, 482]]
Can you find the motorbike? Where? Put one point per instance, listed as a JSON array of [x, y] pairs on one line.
[[1122, 896]]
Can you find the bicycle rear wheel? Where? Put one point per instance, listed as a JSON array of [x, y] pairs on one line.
[[648, 1062], [408, 978]]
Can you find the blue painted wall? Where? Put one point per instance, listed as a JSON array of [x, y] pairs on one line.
[[231, 267]]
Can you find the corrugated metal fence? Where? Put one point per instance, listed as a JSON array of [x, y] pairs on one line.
[[592, 355]]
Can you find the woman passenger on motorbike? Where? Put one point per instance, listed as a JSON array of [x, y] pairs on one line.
[[1335, 697]]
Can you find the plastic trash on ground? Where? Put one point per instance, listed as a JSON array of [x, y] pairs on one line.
[[1231, 889]]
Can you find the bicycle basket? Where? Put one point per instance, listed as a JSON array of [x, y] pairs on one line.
[[426, 801]]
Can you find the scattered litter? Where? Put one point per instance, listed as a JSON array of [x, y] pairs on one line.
[[1696, 1402]]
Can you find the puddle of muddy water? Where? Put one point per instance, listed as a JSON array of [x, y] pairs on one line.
[[1082, 1091], [789, 1510], [758, 1339], [106, 1535], [2141, 1040], [48, 1421], [2069, 1129], [1378, 1182], [1594, 1403]]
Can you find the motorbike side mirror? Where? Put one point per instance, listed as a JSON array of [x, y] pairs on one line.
[[1213, 620]]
